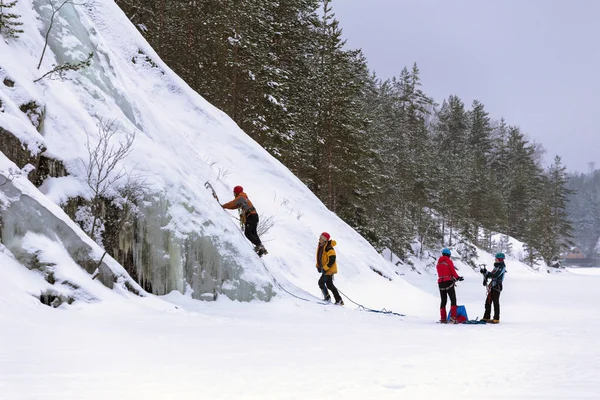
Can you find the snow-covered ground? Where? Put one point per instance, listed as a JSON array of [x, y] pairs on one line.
[[546, 346]]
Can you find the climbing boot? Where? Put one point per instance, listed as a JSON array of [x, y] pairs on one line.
[[260, 250]]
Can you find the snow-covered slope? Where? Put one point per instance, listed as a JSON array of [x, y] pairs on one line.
[[182, 141]]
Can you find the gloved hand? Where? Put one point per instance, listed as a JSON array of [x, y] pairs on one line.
[[460, 278], [483, 271]]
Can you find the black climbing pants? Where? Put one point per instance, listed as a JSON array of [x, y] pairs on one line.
[[326, 282], [493, 297], [250, 230], [447, 290]]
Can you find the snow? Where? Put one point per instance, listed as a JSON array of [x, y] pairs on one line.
[[584, 271], [59, 190], [111, 344], [545, 346]]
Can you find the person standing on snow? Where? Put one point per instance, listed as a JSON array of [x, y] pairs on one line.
[[327, 266], [446, 277], [494, 288], [248, 217]]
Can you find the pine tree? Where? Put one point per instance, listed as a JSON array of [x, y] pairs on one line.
[[451, 137], [478, 154], [9, 22], [558, 193], [333, 138], [287, 104], [499, 168], [523, 183], [415, 167], [389, 224]]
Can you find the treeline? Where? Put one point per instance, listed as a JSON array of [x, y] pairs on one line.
[[584, 210], [379, 153]]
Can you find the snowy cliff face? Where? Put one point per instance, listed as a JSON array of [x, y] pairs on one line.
[[175, 246], [179, 238], [41, 236]]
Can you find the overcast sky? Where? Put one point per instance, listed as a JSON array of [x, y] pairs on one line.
[[534, 62]]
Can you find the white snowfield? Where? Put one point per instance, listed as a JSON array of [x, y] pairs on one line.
[[546, 346]]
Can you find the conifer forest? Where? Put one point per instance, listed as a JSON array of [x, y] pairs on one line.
[[398, 166]]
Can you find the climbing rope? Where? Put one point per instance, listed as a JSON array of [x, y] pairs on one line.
[[360, 306], [208, 185], [287, 291], [363, 308]]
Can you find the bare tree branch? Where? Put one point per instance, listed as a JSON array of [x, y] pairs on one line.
[[103, 160], [61, 69], [265, 224], [8, 179], [55, 10]]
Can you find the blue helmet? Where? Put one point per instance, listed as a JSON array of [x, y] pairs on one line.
[[500, 256], [446, 252]]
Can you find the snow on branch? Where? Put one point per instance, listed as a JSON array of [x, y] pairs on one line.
[[59, 70]]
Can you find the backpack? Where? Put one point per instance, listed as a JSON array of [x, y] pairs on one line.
[[461, 314]]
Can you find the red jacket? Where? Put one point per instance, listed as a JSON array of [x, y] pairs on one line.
[[445, 269]]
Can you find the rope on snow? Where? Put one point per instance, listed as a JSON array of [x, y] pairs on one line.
[[363, 308]]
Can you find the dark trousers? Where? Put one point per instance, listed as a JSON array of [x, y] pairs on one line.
[[250, 230], [447, 290], [492, 297], [326, 282]]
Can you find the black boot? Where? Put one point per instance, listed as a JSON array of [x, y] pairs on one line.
[[262, 251], [487, 312]]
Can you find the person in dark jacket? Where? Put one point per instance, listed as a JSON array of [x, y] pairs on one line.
[[494, 288], [446, 277], [248, 218], [327, 267]]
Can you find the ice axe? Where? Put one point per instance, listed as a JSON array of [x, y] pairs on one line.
[[208, 185], [483, 271], [212, 189]]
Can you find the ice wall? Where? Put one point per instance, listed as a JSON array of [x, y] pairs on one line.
[[163, 259]]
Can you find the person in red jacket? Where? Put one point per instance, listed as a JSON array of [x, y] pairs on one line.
[[446, 277]]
